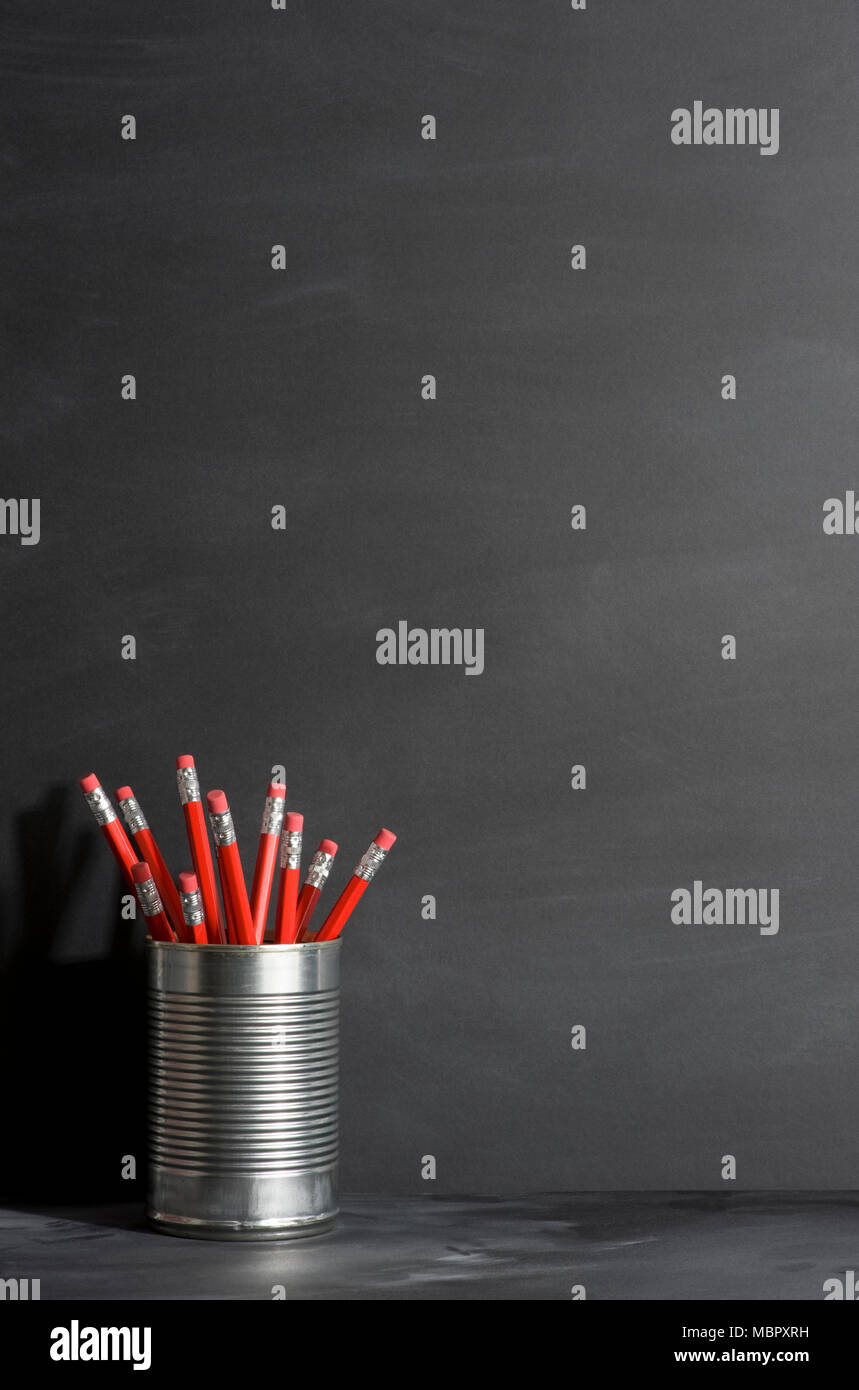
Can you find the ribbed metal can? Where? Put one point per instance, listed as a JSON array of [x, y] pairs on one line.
[[243, 1057]]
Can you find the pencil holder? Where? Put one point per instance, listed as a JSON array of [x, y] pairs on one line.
[[243, 1076]]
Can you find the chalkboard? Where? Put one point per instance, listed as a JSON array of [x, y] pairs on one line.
[[289, 364]]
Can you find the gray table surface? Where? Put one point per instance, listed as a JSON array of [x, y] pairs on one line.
[[750, 1246]]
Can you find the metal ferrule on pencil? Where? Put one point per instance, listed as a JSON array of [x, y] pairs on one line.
[[223, 829], [99, 803], [319, 869], [290, 849], [134, 817], [272, 816], [189, 784], [369, 863], [149, 898], [192, 907]]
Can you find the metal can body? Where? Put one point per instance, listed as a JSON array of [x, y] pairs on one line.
[[243, 1077]]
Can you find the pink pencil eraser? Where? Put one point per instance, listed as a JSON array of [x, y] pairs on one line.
[[293, 820], [89, 783], [217, 802], [385, 838], [123, 793], [188, 883], [141, 872], [184, 760], [276, 789], [328, 846]]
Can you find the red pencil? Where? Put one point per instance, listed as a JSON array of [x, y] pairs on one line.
[[240, 927], [357, 886], [269, 838], [192, 910], [105, 816], [317, 873], [198, 839], [290, 872], [148, 851], [150, 904]]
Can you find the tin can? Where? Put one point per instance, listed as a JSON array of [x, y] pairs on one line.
[[243, 1089]]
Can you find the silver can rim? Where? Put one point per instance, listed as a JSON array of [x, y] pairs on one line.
[[266, 947]]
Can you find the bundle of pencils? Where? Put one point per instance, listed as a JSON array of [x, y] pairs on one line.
[[191, 910]]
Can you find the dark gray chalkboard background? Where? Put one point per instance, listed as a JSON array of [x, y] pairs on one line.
[[254, 646]]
